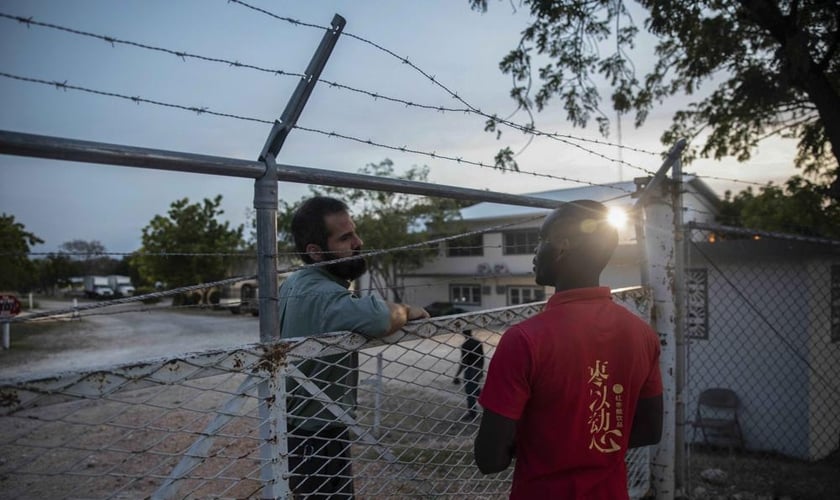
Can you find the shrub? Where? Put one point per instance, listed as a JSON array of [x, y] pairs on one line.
[[143, 290]]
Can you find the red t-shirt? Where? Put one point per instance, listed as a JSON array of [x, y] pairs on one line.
[[571, 376]]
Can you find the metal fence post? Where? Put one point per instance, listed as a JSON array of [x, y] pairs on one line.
[[659, 246], [659, 257], [274, 449], [680, 304], [272, 391], [275, 482]]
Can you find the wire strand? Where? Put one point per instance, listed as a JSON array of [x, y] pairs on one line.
[[204, 110], [563, 138], [229, 281]]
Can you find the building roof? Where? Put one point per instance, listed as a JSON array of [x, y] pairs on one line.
[[612, 194]]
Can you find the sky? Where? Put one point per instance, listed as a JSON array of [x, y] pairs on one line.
[[61, 201]]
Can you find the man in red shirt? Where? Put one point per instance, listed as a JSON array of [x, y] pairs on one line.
[[569, 390]]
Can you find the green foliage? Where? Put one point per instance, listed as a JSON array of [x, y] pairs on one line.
[[145, 290], [17, 272], [83, 250], [89, 256], [801, 207], [54, 270], [775, 64], [188, 229], [385, 220]]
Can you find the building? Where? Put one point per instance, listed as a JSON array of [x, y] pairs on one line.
[[494, 266], [763, 320]]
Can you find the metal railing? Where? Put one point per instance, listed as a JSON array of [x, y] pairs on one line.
[[213, 424], [190, 426]]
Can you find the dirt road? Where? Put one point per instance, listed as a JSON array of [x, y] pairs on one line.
[[118, 335]]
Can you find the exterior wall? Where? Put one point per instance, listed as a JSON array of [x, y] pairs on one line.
[[745, 354], [824, 356], [768, 316], [623, 270], [431, 283]]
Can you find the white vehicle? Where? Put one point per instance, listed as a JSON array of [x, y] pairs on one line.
[[121, 285], [240, 297], [243, 297], [97, 286]]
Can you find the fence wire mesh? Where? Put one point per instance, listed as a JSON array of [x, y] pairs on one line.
[[763, 321], [194, 426]]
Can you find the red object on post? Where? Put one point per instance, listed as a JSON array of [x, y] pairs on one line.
[[9, 306]]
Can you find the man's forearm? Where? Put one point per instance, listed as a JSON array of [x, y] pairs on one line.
[[399, 316]]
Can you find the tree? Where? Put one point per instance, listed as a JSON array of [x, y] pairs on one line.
[[198, 241], [83, 250], [17, 272], [797, 208], [776, 66], [89, 256], [55, 270], [385, 220]]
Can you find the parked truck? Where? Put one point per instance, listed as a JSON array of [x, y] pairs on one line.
[[97, 287], [241, 297], [244, 296], [121, 285]]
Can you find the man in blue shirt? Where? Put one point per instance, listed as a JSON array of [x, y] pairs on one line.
[[317, 300]]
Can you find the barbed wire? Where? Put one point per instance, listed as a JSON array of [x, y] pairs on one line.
[[741, 181], [700, 211], [78, 313], [204, 110], [183, 55], [136, 99], [30, 21], [209, 254], [289, 269], [404, 60], [136, 254], [133, 299], [253, 254], [745, 231], [456, 159]]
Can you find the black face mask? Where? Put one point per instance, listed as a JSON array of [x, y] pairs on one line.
[[348, 270]]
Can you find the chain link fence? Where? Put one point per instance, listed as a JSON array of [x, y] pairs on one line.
[[196, 426], [763, 323]]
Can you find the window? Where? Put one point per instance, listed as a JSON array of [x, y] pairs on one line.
[[465, 247], [524, 294], [465, 294], [697, 304], [835, 303], [521, 242]]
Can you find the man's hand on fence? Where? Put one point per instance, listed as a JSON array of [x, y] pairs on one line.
[[417, 313]]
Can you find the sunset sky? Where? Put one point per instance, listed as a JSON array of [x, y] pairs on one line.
[[460, 48]]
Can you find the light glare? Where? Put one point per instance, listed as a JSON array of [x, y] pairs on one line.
[[617, 217]]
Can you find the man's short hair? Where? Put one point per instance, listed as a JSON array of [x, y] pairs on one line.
[[584, 223], [309, 225]]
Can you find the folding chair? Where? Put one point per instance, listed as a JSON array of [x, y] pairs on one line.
[[717, 417]]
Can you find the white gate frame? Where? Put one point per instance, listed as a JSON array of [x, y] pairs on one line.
[[657, 228]]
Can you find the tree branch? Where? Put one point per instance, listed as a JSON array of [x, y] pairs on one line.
[[822, 65]]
